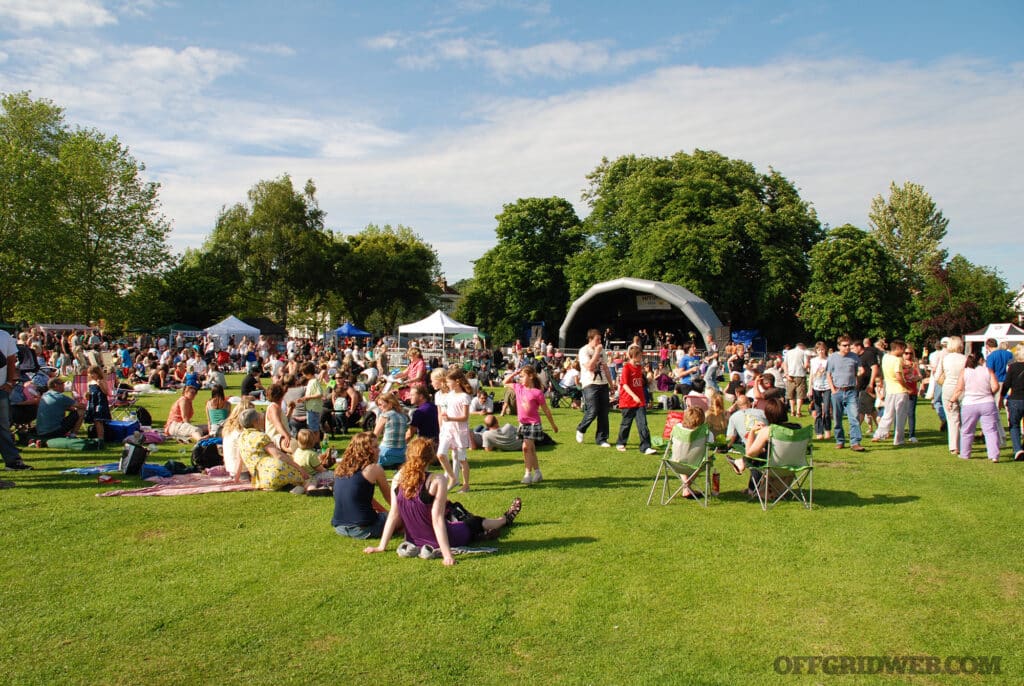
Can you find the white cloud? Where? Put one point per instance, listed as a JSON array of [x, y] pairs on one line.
[[555, 59], [47, 14], [276, 49]]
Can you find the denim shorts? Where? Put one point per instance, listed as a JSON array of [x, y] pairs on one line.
[[313, 421], [370, 531]]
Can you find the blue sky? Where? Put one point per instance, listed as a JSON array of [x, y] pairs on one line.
[[435, 114]]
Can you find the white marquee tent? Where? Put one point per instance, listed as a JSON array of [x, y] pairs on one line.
[[1001, 332], [437, 324], [232, 326]]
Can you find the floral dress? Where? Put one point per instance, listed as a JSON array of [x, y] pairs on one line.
[[268, 473]]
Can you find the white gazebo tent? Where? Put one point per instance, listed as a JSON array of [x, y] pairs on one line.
[[1010, 333], [437, 324], [232, 326]]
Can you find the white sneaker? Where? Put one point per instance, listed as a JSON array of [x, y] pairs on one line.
[[650, 451], [604, 445], [537, 476], [579, 436], [407, 549], [912, 439], [527, 478], [621, 448]]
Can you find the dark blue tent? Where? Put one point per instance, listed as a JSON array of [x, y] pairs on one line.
[[346, 330]]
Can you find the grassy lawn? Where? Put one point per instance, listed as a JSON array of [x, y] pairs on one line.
[[907, 552]]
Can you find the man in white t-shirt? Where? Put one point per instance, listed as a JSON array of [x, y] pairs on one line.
[[9, 374], [596, 379], [796, 364]]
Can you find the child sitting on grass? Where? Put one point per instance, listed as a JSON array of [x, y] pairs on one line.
[[309, 458]]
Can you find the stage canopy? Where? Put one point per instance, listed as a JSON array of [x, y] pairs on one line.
[[637, 303], [346, 330]]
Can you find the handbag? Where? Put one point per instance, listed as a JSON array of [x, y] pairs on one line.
[[133, 456]]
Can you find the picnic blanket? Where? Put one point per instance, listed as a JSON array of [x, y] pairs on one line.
[[93, 471], [183, 484]]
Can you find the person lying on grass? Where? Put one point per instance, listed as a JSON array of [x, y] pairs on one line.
[[420, 503], [357, 514]]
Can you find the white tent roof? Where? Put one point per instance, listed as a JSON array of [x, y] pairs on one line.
[[1000, 332], [233, 326], [437, 323], [694, 308]]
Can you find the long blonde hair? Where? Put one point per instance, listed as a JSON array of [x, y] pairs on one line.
[[231, 424], [418, 455]]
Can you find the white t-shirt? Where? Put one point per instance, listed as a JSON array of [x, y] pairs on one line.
[[596, 377], [7, 348], [795, 360]]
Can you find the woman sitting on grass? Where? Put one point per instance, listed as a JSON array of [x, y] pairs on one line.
[[230, 433], [217, 410], [419, 502], [272, 469], [356, 513]]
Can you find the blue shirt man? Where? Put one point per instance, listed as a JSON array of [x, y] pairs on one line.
[[998, 359], [841, 372]]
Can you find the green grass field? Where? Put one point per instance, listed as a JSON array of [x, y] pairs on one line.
[[907, 552]]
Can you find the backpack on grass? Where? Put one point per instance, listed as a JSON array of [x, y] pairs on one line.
[[207, 453]]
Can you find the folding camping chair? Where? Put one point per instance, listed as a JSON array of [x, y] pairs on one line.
[[787, 467], [687, 453]]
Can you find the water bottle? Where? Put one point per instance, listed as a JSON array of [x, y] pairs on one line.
[[714, 483]]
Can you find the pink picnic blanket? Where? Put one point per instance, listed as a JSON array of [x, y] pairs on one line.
[[184, 484]]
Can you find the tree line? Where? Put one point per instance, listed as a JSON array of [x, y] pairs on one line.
[[82, 238]]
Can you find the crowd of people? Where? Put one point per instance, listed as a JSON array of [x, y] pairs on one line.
[[425, 412]]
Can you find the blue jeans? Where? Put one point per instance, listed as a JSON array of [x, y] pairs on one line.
[[628, 415], [1015, 408], [823, 407], [597, 403], [937, 403], [845, 402], [912, 416], [7, 447]]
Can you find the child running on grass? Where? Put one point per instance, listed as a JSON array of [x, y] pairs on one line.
[[454, 435], [97, 409], [529, 399]]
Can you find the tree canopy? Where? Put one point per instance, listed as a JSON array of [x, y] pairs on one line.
[[735, 237], [856, 288], [910, 227], [523, 278]]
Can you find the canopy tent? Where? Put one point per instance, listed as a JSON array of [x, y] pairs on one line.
[[64, 327], [232, 326], [470, 336], [185, 329], [636, 302], [1001, 332], [346, 330], [437, 324]]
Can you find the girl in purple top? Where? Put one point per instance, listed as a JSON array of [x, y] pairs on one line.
[[529, 399], [420, 503]]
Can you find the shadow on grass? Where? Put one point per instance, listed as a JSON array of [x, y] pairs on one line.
[[829, 498], [515, 545]]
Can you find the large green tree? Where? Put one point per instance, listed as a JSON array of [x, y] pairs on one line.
[[911, 227], [384, 276], [856, 288], [111, 222], [734, 236], [960, 297], [523, 278], [31, 252], [277, 248]]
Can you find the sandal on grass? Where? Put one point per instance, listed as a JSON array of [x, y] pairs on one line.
[[734, 464], [513, 511]]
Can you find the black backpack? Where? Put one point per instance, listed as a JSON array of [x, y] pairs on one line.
[[144, 417], [206, 453], [133, 456]]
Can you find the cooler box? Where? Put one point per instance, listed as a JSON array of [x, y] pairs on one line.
[[116, 432]]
